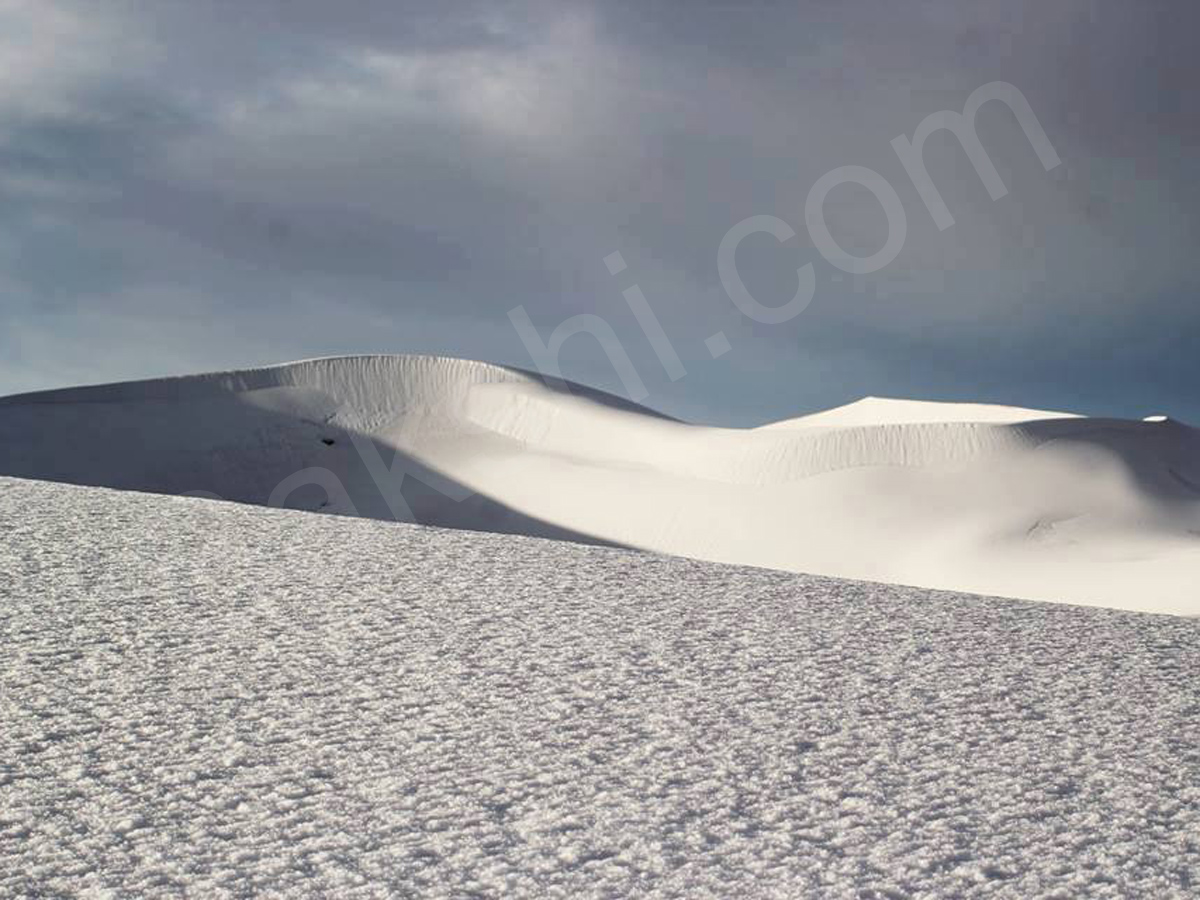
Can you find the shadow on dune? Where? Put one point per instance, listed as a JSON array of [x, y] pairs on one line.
[[1161, 458], [182, 437]]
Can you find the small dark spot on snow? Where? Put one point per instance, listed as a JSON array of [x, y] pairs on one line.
[[1065, 788], [328, 442]]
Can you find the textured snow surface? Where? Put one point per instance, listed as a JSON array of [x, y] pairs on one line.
[[222, 700]]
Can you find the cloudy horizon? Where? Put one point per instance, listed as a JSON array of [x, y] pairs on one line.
[[198, 186]]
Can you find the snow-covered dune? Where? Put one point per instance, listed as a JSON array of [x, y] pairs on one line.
[[987, 499]]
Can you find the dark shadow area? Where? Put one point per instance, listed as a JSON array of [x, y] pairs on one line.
[[1162, 457]]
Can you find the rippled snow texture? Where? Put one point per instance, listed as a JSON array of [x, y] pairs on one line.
[[219, 700]]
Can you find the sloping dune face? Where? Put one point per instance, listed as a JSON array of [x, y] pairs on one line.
[[985, 499]]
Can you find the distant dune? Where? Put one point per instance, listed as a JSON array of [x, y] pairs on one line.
[[984, 499]]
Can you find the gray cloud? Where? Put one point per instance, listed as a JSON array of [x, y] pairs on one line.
[[197, 184]]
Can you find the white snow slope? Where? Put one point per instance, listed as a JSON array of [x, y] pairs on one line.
[[219, 700], [986, 499]]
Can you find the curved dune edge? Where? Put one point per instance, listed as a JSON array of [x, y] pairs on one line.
[[968, 497]]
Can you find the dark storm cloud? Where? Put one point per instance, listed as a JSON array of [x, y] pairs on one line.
[[198, 184]]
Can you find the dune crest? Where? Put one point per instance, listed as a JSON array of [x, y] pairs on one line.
[[892, 411], [968, 497]]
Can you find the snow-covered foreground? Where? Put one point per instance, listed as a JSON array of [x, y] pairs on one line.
[[994, 500], [219, 699]]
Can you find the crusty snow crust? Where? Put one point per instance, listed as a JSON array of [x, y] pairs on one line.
[[210, 699]]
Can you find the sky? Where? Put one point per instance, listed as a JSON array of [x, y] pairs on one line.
[[190, 185]]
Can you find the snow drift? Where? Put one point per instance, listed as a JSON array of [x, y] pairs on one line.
[[986, 499]]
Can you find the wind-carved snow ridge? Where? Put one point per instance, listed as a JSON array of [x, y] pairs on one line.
[[218, 700], [969, 497]]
